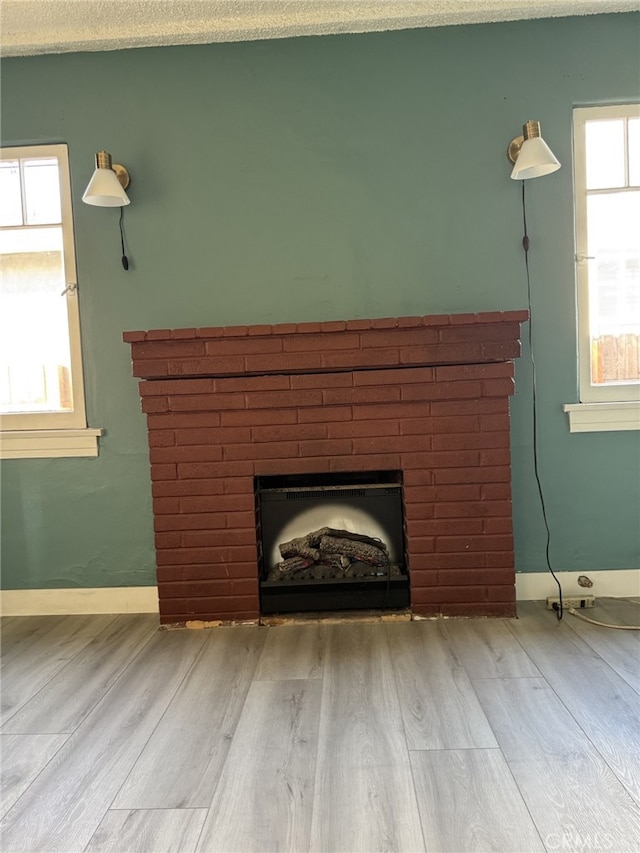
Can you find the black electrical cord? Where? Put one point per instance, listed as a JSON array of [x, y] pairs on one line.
[[525, 245], [124, 259]]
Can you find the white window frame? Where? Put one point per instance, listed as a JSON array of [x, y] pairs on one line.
[[613, 407], [53, 434]]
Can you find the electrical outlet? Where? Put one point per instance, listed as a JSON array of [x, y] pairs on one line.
[[575, 601]]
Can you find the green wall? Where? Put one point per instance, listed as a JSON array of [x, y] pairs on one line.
[[312, 179]]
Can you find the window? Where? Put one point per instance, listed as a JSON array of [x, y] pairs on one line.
[[607, 200], [607, 179], [41, 388]]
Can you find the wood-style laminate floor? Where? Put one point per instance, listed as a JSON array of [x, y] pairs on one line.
[[453, 735]]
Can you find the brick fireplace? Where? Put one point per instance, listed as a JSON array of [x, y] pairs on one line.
[[424, 396]]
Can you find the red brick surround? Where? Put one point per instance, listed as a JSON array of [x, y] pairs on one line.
[[425, 395]]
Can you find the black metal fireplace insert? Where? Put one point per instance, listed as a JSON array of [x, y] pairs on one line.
[[331, 542]]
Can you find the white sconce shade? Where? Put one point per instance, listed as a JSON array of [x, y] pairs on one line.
[[530, 154], [107, 185]]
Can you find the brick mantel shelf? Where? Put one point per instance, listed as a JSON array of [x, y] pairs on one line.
[[427, 396]]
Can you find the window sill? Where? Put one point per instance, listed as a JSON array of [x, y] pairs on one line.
[[603, 417], [48, 443]]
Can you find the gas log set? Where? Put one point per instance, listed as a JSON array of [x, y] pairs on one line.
[[329, 553]]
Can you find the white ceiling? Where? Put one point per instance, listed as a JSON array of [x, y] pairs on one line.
[[60, 26]]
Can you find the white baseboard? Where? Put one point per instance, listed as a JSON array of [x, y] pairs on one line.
[[50, 602], [530, 586], [615, 583]]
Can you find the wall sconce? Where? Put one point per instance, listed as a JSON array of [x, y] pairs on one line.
[[108, 183], [107, 189], [530, 154]]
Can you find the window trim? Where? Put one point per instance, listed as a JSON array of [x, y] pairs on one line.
[[603, 417], [624, 392], [48, 443]]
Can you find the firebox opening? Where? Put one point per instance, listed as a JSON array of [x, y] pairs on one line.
[[331, 542]]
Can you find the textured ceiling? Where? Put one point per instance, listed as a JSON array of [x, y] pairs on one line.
[[61, 26]]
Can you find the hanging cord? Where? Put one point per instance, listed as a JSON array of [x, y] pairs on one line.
[[125, 259], [525, 245]]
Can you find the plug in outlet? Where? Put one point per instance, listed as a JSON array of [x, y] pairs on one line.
[[576, 601]]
